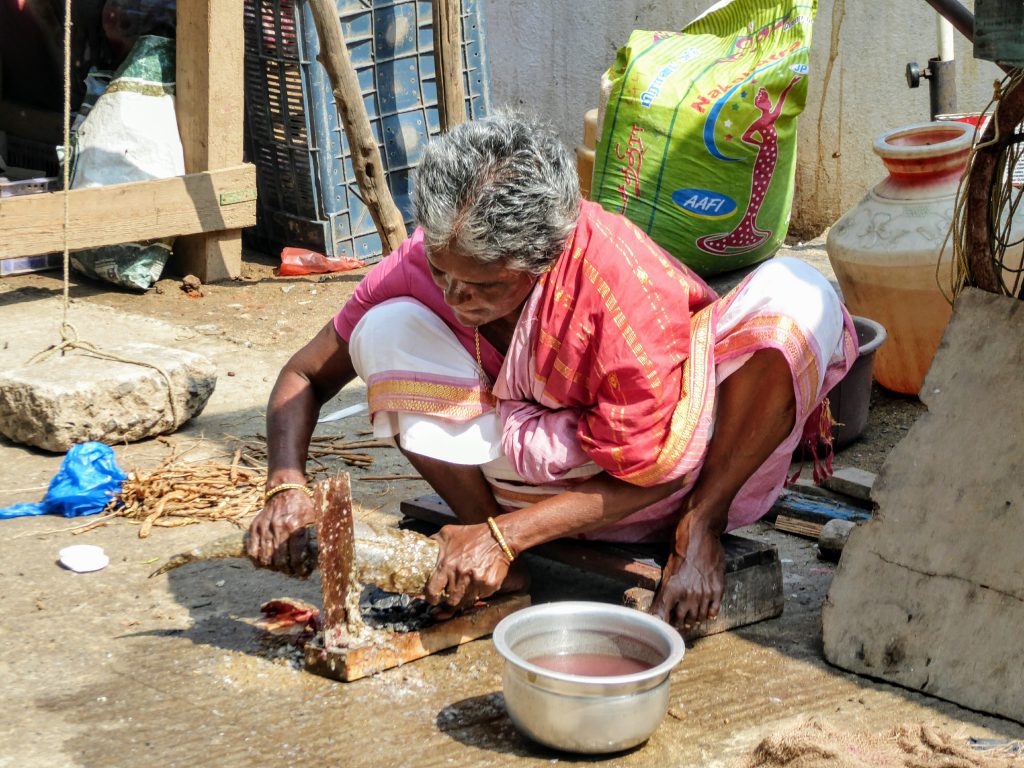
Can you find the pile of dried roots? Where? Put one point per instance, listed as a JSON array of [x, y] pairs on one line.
[[179, 492]]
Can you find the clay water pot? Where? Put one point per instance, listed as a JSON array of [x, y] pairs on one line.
[[886, 251]]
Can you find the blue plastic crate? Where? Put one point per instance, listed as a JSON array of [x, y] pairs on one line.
[[307, 188]]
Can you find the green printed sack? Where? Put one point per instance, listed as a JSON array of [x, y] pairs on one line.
[[698, 144]]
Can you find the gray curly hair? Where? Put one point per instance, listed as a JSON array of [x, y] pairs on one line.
[[502, 189]]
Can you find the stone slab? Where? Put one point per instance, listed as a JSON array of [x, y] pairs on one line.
[[853, 482], [71, 399], [930, 594]]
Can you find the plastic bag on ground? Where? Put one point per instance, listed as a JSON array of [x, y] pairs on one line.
[[302, 261], [86, 481]]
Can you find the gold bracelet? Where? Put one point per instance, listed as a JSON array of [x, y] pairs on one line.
[[496, 533], [287, 487]]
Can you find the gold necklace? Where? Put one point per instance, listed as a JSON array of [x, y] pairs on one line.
[[479, 360]]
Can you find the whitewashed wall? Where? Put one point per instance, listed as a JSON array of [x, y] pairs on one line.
[[548, 56]]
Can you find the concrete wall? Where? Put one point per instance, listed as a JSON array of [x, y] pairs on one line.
[[548, 55]]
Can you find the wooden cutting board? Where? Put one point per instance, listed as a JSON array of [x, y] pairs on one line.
[[402, 647]]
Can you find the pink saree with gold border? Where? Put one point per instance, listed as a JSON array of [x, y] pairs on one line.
[[614, 366]]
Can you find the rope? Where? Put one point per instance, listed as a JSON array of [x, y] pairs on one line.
[[1003, 203], [68, 333], [66, 170], [89, 350]]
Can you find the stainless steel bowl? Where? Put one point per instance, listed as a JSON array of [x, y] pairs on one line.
[[589, 714]]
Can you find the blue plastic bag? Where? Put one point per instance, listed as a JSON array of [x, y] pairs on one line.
[[84, 484]]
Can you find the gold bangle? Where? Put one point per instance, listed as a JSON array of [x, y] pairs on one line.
[[502, 544], [287, 487]]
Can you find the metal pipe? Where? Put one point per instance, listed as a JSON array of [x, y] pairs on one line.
[[944, 32], [942, 87], [942, 84], [961, 18]]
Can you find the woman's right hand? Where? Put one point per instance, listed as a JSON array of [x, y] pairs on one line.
[[470, 566], [278, 536]]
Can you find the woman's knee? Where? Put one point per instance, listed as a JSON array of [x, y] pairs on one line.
[[765, 380], [391, 322]]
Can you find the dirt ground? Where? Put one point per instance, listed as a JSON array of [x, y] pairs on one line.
[[116, 669]]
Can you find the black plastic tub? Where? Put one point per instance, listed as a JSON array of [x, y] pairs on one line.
[[851, 397]]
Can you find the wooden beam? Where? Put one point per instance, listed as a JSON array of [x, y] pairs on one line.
[[815, 509], [808, 529], [210, 106], [121, 213], [366, 159], [333, 503], [636, 564], [451, 96]]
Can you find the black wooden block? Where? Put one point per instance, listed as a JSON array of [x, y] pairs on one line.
[[753, 572]]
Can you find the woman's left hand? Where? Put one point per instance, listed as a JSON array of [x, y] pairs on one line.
[[470, 566], [694, 577]]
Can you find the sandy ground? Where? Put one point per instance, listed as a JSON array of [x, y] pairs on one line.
[[116, 669]]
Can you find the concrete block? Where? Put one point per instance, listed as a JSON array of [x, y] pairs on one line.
[[853, 482], [930, 594], [67, 400]]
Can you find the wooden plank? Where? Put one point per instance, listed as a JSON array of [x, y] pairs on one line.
[[606, 560], [402, 647], [753, 571], [815, 509], [451, 96], [121, 213], [210, 107], [638, 565], [798, 527], [751, 594]]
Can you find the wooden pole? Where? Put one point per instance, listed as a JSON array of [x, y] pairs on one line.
[[366, 159], [210, 109], [451, 98]]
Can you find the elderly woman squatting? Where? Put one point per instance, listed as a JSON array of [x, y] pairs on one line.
[[551, 372]]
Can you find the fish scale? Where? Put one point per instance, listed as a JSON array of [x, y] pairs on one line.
[[392, 559]]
